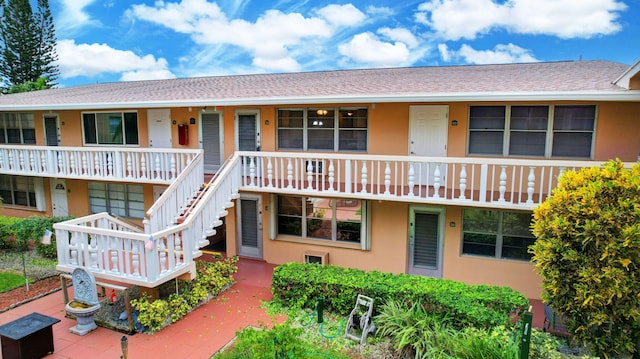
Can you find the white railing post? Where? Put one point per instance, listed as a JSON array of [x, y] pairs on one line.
[[436, 182], [387, 177], [483, 183], [331, 175], [463, 181], [502, 188], [411, 178], [531, 181]]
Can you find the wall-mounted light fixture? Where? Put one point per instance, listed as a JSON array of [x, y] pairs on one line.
[[204, 109], [454, 123]]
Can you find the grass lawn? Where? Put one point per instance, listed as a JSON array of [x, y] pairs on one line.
[[10, 280]]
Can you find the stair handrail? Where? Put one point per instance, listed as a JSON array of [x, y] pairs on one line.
[[180, 185]]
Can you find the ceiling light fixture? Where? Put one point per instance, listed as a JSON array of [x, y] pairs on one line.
[[322, 112]]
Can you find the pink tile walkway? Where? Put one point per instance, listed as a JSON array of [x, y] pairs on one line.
[[197, 336]]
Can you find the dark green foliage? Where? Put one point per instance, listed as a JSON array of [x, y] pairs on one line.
[[21, 233], [27, 41], [40, 84], [588, 255], [300, 284], [7, 240], [281, 342]]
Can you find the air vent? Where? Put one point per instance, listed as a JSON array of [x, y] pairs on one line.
[[316, 257]]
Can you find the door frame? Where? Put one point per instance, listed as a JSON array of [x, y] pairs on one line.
[[166, 127], [57, 197], [441, 212], [236, 131], [220, 131], [446, 126], [44, 124], [259, 225]]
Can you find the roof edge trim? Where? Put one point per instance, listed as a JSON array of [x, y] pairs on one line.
[[629, 95]]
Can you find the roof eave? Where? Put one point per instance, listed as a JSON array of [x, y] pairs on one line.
[[625, 79], [629, 95]]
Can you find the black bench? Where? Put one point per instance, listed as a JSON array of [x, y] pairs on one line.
[[29, 337]]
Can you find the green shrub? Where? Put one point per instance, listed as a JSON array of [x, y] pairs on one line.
[[7, 233], [300, 284], [588, 255], [281, 342], [211, 279], [417, 333], [29, 231], [152, 314]]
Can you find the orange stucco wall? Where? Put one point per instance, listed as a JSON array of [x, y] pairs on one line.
[[389, 250]]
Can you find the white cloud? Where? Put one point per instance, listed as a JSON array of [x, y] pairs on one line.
[[367, 48], [95, 59], [73, 17], [270, 40], [399, 34], [500, 54], [457, 19], [380, 11], [341, 15]]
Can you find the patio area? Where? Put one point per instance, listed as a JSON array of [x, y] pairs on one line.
[[197, 336]]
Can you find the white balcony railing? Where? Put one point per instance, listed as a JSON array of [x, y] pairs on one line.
[[480, 182], [147, 165]]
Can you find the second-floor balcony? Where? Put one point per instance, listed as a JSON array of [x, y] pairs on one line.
[[143, 165], [189, 211], [466, 181]]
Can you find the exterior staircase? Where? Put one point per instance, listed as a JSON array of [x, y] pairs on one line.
[[175, 228]]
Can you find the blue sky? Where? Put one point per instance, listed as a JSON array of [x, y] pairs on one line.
[[116, 40]]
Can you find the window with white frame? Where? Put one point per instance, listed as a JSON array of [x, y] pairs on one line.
[[17, 127], [535, 131], [323, 129], [497, 234], [337, 220], [123, 200], [110, 128], [18, 191]]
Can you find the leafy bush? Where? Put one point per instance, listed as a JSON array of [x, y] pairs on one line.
[[588, 255], [417, 333], [283, 341], [211, 279], [300, 284], [29, 231], [7, 240]]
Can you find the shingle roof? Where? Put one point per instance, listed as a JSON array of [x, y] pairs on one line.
[[368, 85]]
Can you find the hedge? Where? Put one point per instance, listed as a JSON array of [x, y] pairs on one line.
[[20, 233], [482, 306]]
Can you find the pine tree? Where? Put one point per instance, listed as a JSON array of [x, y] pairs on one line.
[[27, 41]]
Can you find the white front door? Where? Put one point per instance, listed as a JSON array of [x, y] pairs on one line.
[[428, 138], [426, 228], [249, 212], [159, 123], [59, 202], [428, 130]]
